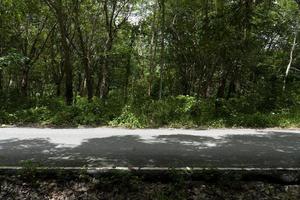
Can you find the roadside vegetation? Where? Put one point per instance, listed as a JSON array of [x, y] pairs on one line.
[[175, 112]]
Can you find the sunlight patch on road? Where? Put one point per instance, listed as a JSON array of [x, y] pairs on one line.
[[72, 138]]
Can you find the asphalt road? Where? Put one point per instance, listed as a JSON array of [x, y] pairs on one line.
[[105, 147]]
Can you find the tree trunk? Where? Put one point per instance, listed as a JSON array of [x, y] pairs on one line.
[[68, 68], [128, 72], [58, 89], [104, 85], [220, 95], [208, 83], [219, 6], [231, 89], [290, 62], [89, 81], [85, 56], [24, 81], [128, 65], [153, 50], [104, 82], [221, 89], [80, 84], [87, 70], [1, 80], [162, 64]]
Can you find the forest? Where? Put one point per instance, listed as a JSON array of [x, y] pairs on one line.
[[150, 63]]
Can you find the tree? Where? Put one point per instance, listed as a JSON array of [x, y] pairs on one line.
[[85, 47], [116, 13], [153, 47], [35, 38], [162, 54], [290, 61], [59, 10], [137, 51]]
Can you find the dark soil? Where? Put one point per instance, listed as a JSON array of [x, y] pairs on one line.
[[38, 185]]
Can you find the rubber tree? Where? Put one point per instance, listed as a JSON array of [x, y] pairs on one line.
[[153, 46], [85, 47], [162, 53], [116, 13], [58, 7], [293, 48], [33, 46]]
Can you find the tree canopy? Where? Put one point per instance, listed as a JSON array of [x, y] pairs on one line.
[[237, 56]]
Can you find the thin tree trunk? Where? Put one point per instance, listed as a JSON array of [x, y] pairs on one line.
[[220, 94], [128, 66], [104, 85], [153, 51], [24, 81], [219, 6], [290, 62], [1, 80], [58, 89], [58, 75], [162, 64], [80, 83], [104, 80], [68, 68], [85, 57], [209, 80], [97, 92], [87, 69], [1, 70], [128, 72], [231, 89], [89, 81]]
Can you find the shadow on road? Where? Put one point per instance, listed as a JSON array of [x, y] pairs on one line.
[[275, 149]]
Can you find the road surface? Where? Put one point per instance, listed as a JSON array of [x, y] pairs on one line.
[[106, 147]]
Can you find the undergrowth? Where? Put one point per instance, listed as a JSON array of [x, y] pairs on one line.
[[176, 112]]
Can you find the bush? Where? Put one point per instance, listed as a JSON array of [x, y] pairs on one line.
[[180, 111], [173, 110], [82, 112], [128, 119], [257, 120], [4, 117]]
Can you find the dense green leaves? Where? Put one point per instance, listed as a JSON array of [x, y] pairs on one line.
[[149, 63]]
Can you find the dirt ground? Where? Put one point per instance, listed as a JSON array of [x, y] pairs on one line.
[[32, 185]]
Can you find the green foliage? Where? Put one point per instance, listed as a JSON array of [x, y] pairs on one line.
[[224, 63], [82, 112], [127, 119], [12, 59], [181, 109], [256, 120], [177, 112]]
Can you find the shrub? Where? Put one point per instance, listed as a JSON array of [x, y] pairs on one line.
[[4, 117], [127, 119], [257, 120], [180, 111], [173, 110]]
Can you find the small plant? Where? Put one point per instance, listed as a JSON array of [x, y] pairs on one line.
[[29, 171], [127, 119]]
